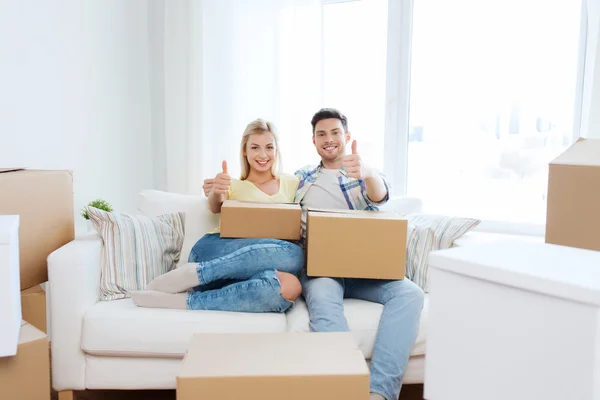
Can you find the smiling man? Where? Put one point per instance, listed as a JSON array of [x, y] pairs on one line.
[[343, 181]]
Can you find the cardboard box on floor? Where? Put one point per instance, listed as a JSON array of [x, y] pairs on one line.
[[290, 366], [44, 202], [356, 244], [10, 300], [573, 212], [260, 220], [33, 307], [27, 375]]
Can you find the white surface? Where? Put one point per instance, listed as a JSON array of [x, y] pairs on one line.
[[77, 96], [74, 280], [10, 285], [491, 340], [161, 332], [549, 269], [363, 321]]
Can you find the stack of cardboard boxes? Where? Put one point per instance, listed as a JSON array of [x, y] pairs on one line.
[[38, 215], [573, 213], [340, 243]]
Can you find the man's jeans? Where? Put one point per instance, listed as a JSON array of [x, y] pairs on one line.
[[240, 274], [398, 328]]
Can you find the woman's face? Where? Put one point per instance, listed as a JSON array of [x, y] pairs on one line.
[[261, 151]]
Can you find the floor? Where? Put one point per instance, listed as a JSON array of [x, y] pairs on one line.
[[409, 392]]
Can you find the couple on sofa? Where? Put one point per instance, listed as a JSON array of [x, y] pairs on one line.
[[268, 275]]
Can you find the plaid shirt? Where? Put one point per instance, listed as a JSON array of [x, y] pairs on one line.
[[354, 190]]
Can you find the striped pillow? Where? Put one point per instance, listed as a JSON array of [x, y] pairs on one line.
[[136, 249], [427, 233]]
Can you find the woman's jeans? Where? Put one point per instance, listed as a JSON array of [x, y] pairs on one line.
[[240, 274]]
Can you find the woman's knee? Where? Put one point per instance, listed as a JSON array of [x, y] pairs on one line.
[[290, 286], [296, 257]]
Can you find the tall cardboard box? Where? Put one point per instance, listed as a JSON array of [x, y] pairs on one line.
[[260, 220], [10, 301], [356, 244], [27, 375], [44, 202], [573, 211], [273, 366]]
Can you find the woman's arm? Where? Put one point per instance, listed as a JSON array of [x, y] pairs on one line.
[[219, 191], [216, 201]]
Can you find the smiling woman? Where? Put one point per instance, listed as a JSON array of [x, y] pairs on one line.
[[244, 275]]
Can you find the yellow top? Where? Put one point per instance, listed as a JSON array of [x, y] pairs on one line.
[[247, 191]]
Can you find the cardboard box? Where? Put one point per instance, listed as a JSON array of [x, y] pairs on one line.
[[356, 244], [291, 366], [260, 220], [27, 375], [33, 307], [44, 202], [10, 301], [573, 212]]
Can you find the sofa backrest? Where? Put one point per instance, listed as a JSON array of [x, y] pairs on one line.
[[199, 220]]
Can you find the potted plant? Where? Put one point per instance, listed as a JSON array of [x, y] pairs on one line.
[[99, 204]]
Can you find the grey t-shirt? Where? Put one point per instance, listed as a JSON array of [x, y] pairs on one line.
[[325, 192]]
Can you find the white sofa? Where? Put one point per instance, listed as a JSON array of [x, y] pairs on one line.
[[116, 345]]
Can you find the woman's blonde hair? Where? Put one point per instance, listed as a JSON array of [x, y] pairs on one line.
[[259, 126]]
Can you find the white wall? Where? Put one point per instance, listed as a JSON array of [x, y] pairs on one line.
[[75, 94], [590, 118]]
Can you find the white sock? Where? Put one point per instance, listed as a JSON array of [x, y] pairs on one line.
[[153, 299], [376, 396], [176, 281]]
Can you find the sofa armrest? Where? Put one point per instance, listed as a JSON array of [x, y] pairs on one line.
[[74, 284]]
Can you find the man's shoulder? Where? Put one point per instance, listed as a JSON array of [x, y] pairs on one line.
[[306, 170]]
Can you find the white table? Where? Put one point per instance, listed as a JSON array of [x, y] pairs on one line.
[[10, 285], [514, 320]]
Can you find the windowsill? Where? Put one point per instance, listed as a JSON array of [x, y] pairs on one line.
[[475, 237]]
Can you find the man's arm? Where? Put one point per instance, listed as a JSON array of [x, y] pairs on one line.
[[376, 187]]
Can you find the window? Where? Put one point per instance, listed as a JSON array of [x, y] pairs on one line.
[[492, 101], [354, 69], [461, 103]]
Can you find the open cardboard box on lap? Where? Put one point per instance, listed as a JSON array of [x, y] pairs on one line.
[[573, 212], [356, 244], [260, 220], [43, 200]]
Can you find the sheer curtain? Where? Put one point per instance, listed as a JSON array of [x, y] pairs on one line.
[[221, 64], [590, 118]]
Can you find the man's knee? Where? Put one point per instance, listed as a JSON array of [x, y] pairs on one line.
[[408, 291], [290, 286]]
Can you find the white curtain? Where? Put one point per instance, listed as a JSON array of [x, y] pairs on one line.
[[221, 64], [590, 118]]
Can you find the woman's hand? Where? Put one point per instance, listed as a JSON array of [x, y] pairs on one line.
[[222, 181]]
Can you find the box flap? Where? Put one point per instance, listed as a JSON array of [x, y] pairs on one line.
[[354, 213], [5, 170], [222, 355], [584, 152], [30, 333], [253, 204]]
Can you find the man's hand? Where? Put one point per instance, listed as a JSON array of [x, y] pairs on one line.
[[207, 186], [222, 181], [354, 166]]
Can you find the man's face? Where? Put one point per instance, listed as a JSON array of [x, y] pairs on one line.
[[330, 139]]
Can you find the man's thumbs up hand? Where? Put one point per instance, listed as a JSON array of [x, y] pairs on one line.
[[354, 166]]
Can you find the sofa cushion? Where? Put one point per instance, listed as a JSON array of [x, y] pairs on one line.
[[198, 218], [119, 328], [363, 320]]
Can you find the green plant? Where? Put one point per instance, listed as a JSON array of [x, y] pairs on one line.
[[99, 204]]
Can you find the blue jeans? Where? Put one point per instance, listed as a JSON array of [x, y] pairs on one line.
[[398, 328], [240, 274]]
